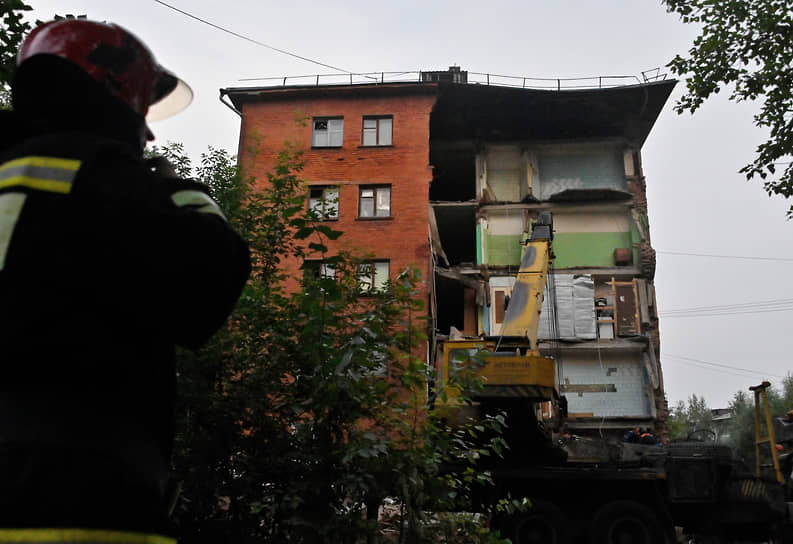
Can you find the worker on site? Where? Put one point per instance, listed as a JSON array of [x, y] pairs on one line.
[[107, 262], [632, 436]]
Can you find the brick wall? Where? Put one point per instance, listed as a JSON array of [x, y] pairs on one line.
[[402, 238]]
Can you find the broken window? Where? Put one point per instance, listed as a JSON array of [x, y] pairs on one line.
[[327, 132], [372, 276], [377, 131], [375, 201], [324, 202]]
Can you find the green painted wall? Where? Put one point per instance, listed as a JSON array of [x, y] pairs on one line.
[[588, 248], [503, 249], [479, 242], [635, 239]]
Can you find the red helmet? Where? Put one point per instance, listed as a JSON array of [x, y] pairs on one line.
[[115, 58]]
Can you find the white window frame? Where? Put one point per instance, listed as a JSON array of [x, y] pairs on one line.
[[326, 206], [321, 269], [380, 197], [379, 132], [327, 132], [373, 275]]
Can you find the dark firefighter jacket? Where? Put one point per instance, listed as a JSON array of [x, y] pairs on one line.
[[105, 267]]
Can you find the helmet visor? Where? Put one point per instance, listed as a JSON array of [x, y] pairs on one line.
[[171, 103]]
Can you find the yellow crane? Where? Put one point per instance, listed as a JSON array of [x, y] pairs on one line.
[[516, 376]]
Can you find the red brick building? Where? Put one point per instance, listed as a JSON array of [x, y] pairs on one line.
[[366, 152], [446, 174]]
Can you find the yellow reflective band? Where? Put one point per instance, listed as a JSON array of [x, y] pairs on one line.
[[51, 174], [48, 185], [44, 162], [81, 536]]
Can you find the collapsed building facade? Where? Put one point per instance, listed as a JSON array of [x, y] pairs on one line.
[[446, 174]]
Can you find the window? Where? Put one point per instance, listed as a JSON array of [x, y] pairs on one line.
[[319, 270], [327, 132], [324, 201], [377, 131], [373, 276], [375, 201]]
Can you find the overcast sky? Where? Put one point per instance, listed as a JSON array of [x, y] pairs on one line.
[[698, 203]]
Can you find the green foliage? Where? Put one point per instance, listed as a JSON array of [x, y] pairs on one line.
[[308, 412], [691, 421], [742, 428], [745, 46], [742, 424], [12, 31]]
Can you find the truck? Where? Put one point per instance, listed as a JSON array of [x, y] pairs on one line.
[[617, 493]]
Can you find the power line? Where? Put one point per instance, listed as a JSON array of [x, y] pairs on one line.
[[708, 368], [722, 314], [226, 30], [771, 302], [781, 305], [719, 365], [737, 306], [780, 259]]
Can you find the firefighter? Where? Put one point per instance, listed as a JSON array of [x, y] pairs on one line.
[[107, 262]]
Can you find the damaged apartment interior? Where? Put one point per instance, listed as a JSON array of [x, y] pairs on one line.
[[502, 155]]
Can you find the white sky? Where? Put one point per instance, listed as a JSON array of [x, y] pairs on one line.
[[698, 203]]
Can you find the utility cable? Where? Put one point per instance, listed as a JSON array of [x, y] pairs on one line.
[[257, 42], [711, 369], [737, 306], [722, 314], [780, 259], [719, 365]]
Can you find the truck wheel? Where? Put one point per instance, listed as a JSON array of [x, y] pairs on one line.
[[543, 523], [626, 522]]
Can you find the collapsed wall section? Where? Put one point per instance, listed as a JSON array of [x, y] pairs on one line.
[[600, 292]]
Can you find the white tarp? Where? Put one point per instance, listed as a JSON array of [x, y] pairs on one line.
[[575, 308], [584, 304]]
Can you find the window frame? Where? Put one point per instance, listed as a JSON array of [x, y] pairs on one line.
[[373, 285], [319, 269], [377, 130], [324, 201], [327, 132], [375, 188]]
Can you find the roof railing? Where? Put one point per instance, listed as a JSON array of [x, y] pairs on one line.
[[474, 78]]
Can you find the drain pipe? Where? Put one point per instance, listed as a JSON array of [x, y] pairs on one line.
[[223, 96]]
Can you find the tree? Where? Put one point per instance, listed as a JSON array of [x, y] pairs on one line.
[[691, 421], [308, 410], [12, 31], [742, 422], [745, 45]]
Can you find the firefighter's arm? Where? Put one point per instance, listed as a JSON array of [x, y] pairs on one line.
[[179, 267], [205, 264]]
